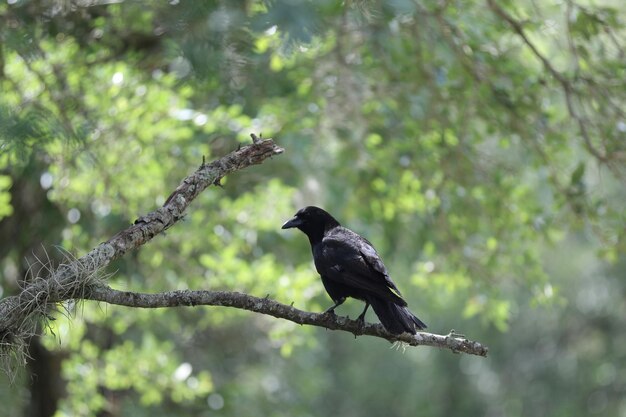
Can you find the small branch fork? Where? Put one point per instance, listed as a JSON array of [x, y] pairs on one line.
[[455, 342]]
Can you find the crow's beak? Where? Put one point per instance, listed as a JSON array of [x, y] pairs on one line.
[[295, 222]]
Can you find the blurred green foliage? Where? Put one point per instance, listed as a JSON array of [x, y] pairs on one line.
[[490, 182]]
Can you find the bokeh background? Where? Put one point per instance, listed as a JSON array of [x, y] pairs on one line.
[[480, 145]]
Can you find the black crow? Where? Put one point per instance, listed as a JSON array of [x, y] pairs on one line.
[[350, 267]]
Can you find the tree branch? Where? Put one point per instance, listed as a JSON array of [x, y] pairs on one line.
[[455, 342], [566, 85], [82, 278], [69, 281]]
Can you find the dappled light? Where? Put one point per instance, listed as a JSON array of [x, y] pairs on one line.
[[479, 146]]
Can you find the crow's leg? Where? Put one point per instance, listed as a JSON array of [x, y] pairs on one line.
[[338, 302], [361, 318]]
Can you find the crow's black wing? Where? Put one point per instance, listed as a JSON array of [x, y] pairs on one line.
[[347, 258]]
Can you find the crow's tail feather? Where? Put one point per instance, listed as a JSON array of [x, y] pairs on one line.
[[396, 319]]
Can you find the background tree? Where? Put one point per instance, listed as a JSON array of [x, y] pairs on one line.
[[479, 145]]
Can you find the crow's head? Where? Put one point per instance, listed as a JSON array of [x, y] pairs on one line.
[[313, 221]]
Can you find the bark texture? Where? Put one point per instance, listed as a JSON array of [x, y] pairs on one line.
[[455, 342]]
